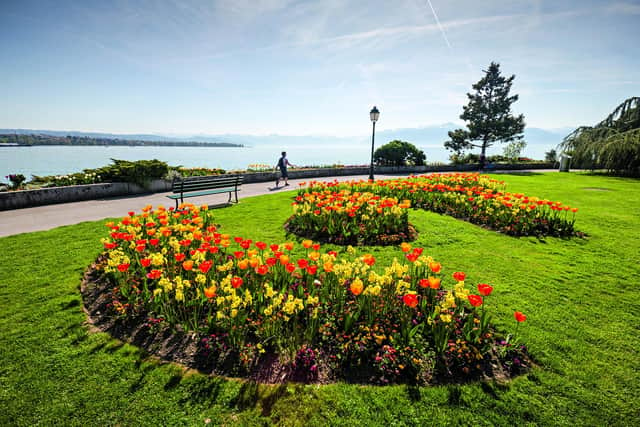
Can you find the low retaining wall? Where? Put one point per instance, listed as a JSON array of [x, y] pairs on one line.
[[47, 196], [75, 193]]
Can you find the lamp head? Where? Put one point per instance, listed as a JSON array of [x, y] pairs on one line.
[[374, 114]]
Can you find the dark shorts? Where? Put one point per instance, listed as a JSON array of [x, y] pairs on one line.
[[284, 173]]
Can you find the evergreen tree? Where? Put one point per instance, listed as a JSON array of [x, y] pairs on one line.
[[488, 115]]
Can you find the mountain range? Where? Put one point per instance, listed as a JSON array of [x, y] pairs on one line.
[[427, 138]]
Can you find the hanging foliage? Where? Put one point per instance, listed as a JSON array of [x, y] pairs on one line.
[[613, 144]]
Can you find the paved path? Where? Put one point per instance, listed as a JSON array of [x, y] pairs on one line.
[[51, 216]]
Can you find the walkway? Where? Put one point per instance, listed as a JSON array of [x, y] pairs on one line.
[[51, 216]]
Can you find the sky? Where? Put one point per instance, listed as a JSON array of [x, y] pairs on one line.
[[286, 67]]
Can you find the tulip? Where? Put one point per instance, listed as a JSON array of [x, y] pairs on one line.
[[236, 282], [519, 316], [475, 300], [485, 289], [210, 292], [459, 276], [410, 300]]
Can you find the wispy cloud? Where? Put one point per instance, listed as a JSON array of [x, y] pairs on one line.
[[624, 8]]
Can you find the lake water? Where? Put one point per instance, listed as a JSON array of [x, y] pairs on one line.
[[46, 160]]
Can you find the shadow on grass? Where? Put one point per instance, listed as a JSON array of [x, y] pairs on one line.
[[413, 393], [251, 394], [71, 304], [201, 390]]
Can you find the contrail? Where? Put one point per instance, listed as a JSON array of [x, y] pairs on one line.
[[444, 35]]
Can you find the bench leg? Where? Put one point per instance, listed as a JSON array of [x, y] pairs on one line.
[[229, 201]]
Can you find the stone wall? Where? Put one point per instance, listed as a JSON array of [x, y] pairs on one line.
[[75, 193]]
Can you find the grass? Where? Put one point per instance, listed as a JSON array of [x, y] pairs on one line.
[[581, 297]]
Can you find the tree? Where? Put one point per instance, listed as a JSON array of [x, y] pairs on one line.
[[399, 153], [551, 156], [488, 115], [513, 150], [613, 144]]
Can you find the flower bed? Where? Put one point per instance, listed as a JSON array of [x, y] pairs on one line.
[[323, 314], [351, 217], [469, 196]]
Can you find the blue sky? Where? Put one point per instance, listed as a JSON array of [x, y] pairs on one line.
[[306, 67]]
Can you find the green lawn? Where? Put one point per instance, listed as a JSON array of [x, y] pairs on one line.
[[582, 299]]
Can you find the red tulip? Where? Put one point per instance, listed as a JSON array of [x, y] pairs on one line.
[[146, 262], [519, 316], [262, 269], [485, 289], [110, 245], [271, 261], [412, 257], [236, 282], [475, 300], [205, 266], [261, 245], [123, 267], [459, 276], [410, 300], [154, 274]]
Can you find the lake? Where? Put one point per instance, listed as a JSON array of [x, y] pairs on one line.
[[46, 160]]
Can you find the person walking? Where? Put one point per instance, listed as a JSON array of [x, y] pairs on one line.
[[282, 165]]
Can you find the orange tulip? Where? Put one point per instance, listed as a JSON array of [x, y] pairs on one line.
[[210, 292], [435, 267], [356, 287]]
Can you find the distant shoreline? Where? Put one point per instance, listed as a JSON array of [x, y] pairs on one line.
[[129, 144], [28, 140]]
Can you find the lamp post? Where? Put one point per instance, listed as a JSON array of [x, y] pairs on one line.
[[374, 114]]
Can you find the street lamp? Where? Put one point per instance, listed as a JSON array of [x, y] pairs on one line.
[[374, 114]]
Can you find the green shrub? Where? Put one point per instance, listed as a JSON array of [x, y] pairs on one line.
[[136, 172], [399, 153]]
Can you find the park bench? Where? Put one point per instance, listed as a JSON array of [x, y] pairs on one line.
[[195, 186]]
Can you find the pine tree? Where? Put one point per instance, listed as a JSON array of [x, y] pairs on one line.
[[488, 115]]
